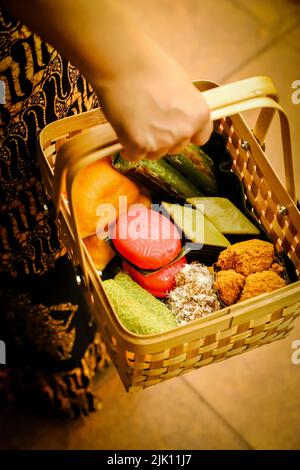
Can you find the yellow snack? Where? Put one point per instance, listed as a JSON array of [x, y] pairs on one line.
[[225, 216], [189, 220]]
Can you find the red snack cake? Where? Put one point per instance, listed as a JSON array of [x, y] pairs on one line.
[[146, 238], [160, 282]]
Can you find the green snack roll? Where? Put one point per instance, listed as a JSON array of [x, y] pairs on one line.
[[196, 166], [157, 174], [133, 309], [154, 305]]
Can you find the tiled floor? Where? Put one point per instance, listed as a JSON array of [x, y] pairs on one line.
[[250, 401]]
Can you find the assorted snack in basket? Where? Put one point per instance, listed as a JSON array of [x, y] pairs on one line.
[[138, 311], [160, 282], [194, 296], [98, 184], [248, 257], [196, 228], [229, 285], [223, 214], [196, 166], [146, 238], [248, 269], [189, 173], [175, 262], [100, 251], [260, 283], [98, 191]]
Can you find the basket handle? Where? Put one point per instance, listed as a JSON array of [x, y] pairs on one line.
[[223, 101], [101, 140]]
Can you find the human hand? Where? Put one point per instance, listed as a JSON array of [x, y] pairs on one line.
[[144, 93], [154, 108]]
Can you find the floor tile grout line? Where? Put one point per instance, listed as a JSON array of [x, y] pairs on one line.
[[217, 413], [260, 51]]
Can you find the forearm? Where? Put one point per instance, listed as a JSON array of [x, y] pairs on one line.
[[143, 92], [100, 37]]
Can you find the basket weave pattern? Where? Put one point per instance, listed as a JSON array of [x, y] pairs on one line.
[[262, 197], [143, 370], [143, 361]]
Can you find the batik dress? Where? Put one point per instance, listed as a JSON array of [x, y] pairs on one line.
[[52, 348]]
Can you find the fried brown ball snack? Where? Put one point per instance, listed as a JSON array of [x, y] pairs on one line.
[[260, 283], [247, 257], [227, 259], [277, 268], [229, 285]]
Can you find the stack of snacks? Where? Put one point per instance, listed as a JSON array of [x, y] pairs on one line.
[[248, 269]]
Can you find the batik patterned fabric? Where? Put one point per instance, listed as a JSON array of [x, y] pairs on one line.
[[40, 87], [55, 330]]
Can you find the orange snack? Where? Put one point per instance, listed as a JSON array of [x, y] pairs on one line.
[[97, 184], [229, 285], [260, 283], [227, 259], [247, 257], [277, 268], [100, 251], [144, 200]]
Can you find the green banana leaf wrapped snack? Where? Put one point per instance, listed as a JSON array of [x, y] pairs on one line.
[[196, 166], [159, 176], [190, 173]]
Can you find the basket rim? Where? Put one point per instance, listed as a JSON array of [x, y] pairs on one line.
[[284, 297], [223, 314], [230, 311]]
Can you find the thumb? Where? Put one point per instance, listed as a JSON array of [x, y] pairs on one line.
[[201, 137]]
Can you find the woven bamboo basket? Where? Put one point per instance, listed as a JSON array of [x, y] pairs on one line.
[[67, 146]]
